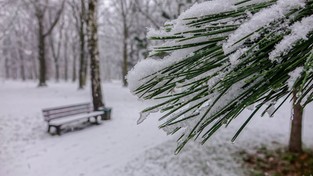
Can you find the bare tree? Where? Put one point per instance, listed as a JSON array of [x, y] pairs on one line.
[[65, 57], [94, 55], [56, 50], [40, 9], [79, 13], [74, 70], [21, 56], [124, 8]]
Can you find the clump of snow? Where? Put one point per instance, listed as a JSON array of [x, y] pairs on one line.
[[299, 31], [152, 32], [271, 110], [214, 7], [199, 10], [260, 19], [208, 8], [294, 75], [149, 66], [233, 58]]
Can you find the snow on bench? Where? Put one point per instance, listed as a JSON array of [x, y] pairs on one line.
[[58, 116]]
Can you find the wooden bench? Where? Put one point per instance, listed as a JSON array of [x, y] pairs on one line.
[[58, 116]]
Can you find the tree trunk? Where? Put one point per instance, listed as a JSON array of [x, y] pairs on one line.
[[22, 65], [125, 49], [34, 68], [295, 143], [65, 58], [41, 54], [94, 56], [125, 58], [7, 68], [74, 76], [56, 54], [57, 71], [82, 64], [82, 59]]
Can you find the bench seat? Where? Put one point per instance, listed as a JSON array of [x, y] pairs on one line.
[[70, 119]]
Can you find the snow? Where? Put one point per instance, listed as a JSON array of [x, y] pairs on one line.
[[299, 31], [208, 8], [119, 147], [233, 58], [149, 66], [179, 26], [294, 75], [26, 148], [260, 19]]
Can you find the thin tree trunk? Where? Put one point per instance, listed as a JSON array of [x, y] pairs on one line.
[[295, 143], [82, 59], [74, 74], [125, 57], [66, 58], [94, 55], [125, 45], [35, 69], [86, 53], [57, 71], [85, 68], [41, 54], [7, 68], [22, 65], [82, 62], [56, 53]]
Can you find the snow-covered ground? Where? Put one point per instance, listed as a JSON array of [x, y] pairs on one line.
[[118, 147]]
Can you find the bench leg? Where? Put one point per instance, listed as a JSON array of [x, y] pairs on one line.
[[49, 127], [58, 130], [96, 120]]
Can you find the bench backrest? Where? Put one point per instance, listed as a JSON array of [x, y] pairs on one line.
[[64, 111]]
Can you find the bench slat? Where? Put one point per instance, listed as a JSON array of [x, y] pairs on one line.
[[65, 107], [61, 114], [55, 111], [63, 111], [70, 119]]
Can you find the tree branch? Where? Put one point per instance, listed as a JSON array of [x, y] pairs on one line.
[[55, 20]]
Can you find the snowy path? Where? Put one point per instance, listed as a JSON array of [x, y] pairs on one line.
[[27, 150], [118, 147]]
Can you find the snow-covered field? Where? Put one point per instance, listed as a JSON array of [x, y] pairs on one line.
[[118, 147]]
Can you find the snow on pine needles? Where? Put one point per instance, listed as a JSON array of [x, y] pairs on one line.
[[213, 63]]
